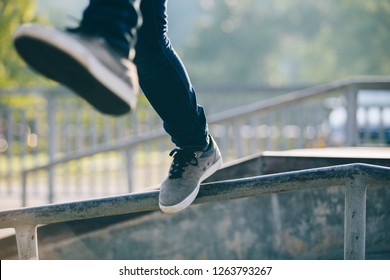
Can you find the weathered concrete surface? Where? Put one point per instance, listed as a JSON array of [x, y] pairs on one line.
[[300, 225], [283, 161]]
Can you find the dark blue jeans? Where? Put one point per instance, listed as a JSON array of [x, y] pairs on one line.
[[162, 75]]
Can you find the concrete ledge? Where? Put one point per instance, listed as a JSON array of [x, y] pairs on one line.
[[271, 162]]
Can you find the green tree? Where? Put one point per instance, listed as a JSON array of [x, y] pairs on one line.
[[13, 71], [350, 38], [284, 42], [231, 41]]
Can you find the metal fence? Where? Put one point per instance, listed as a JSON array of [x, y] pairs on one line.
[[356, 178], [55, 148]]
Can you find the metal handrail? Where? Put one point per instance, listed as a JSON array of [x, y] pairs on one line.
[[357, 83], [352, 85], [355, 177]]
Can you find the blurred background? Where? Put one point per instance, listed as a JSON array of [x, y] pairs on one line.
[[240, 54], [267, 42]]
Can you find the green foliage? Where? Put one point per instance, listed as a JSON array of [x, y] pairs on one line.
[[280, 42], [275, 42], [13, 72]]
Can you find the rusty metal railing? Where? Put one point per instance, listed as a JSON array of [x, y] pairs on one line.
[[355, 177]]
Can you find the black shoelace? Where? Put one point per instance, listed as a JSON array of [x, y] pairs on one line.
[[181, 159]]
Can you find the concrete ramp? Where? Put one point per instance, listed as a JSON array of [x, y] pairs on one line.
[[301, 225]]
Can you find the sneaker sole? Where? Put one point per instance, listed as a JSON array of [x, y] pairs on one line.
[[76, 68], [187, 202]]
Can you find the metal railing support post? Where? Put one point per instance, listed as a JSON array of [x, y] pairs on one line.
[[351, 125], [355, 220], [237, 138], [129, 155], [51, 146], [24, 188], [27, 242]]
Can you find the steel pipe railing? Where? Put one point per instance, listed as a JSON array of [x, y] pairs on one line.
[[235, 116], [355, 177]]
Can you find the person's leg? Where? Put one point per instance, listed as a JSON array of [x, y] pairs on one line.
[[92, 59], [116, 21], [165, 82]]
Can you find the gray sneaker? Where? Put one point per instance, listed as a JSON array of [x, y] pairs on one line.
[[85, 64], [187, 171]]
